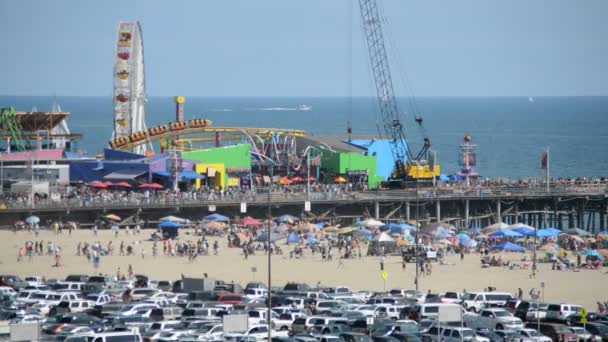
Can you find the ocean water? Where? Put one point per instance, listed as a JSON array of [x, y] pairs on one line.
[[510, 132]]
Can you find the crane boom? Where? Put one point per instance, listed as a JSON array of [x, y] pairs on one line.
[[406, 164]]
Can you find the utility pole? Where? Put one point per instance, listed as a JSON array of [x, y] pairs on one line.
[[308, 173]]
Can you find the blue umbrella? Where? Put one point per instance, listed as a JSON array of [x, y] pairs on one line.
[[287, 218], [509, 247], [592, 253], [525, 231], [169, 224], [263, 237], [544, 233], [463, 236], [362, 232], [506, 233], [312, 240], [32, 219], [293, 238], [468, 243], [217, 217]]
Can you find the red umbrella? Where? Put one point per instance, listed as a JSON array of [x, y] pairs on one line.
[[297, 179], [107, 183], [98, 185], [248, 221], [123, 184], [151, 186], [312, 179]]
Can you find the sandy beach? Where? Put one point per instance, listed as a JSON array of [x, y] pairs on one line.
[[585, 287]]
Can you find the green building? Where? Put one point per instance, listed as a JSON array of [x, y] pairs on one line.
[[351, 165], [223, 166]]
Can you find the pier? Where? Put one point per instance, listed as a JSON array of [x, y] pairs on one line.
[[560, 206]]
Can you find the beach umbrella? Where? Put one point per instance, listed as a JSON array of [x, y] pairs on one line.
[[331, 229], [112, 217], [293, 238], [362, 232], [98, 185], [215, 225], [525, 231], [250, 222], [545, 233], [154, 186], [284, 181], [509, 247], [592, 253], [577, 238], [468, 243], [168, 225], [475, 230], [577, 231], [123, 185], [174, 219], [263, 237], [604, 232], [311, 240], [339, 180], [347, 230], [383, 237], [505, 233], [297, 180], [516, 226], [33, 219], [216, 217], [312, 179], [494, 227], [370, 223], [287, 219], [603, 252], [462, 236]]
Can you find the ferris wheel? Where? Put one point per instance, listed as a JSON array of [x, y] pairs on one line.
[[129, 84]]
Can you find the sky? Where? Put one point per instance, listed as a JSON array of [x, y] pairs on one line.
[[303, 48]]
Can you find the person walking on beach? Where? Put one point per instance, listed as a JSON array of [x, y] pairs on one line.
[[520, 294], [382, 263], [461, 254], [130, 271]]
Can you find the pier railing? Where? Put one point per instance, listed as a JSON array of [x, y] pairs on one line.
[[259, 198]]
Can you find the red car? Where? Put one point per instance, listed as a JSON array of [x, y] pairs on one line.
[[230, 298]]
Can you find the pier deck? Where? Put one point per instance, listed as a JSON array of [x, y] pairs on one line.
[[562, 206]]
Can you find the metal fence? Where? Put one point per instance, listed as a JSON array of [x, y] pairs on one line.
[[404, 195]]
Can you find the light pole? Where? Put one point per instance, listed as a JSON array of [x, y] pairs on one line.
[[269, 313], [417, 234]]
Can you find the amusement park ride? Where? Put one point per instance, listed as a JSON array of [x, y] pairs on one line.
[[270, 147], [408, 167]]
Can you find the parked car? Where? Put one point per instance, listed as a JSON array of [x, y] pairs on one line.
[[560, 312]]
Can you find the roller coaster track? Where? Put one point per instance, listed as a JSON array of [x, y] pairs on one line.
[[209, 130]]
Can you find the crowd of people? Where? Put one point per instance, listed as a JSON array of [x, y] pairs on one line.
[[85, 196]]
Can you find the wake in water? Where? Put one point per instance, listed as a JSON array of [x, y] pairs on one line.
[[301, 108]]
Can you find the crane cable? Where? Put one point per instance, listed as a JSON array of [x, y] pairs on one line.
[[403, 76]]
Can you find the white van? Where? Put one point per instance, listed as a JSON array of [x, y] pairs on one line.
[[475, 301], [106, 337], [429, 310]]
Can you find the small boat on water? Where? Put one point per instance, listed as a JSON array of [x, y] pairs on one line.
[[304, 108]]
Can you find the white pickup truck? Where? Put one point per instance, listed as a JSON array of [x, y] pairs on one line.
[[499, 319], [254, 333]]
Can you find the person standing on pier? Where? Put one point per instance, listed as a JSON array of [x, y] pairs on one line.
[[382, 263]]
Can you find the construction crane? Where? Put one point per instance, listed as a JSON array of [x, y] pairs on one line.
[[408, 166]]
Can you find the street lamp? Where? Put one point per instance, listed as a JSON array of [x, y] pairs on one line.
[[269, 313]]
